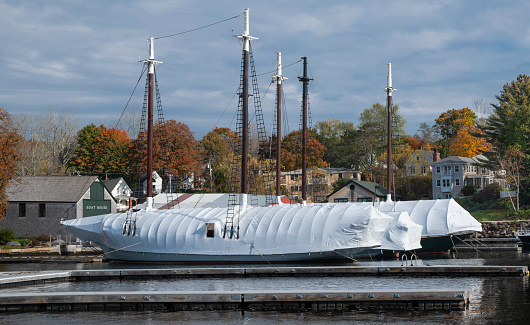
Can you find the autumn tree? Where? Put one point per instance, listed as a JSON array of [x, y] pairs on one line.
[[102, 150], [9, 155], [292, 151], [175, 152], [460, 134]]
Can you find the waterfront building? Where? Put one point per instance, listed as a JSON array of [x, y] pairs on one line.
[[37, 204]]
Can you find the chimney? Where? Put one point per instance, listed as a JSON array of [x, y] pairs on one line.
[[435, 155]]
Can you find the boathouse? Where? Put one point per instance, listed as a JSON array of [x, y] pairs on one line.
[[36, 204]]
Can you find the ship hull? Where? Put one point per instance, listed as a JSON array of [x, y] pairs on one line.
[[134, 256]]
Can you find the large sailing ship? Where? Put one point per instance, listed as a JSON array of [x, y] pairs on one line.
[[278, 232]]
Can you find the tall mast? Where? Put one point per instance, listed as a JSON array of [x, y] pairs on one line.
[[279, 78], [305, 82], [150, 98], [389, 90], [245, 38]]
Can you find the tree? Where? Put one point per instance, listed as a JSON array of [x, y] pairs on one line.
[[509, 124], [217, 148], [175, 151], [373, 135], [460, 135], [292, 151], [330, 133], [102, 151], [375, 119], [9, 155], [507, 129], [50, 141]]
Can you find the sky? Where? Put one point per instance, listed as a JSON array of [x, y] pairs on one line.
[[82, 56]]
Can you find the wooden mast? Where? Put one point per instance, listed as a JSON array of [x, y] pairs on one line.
[[279, 78], [150, 99], [305, 82], [245, 38], [389, 90]]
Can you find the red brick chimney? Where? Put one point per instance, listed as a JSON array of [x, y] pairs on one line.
[[435, 155]]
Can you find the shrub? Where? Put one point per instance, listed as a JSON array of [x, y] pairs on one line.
[[468, 190], [6, 235]]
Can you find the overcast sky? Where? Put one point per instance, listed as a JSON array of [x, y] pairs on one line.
[[83, 56]]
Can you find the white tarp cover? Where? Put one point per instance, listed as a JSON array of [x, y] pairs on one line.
[[438, 217], [283, 229], [403, 234]]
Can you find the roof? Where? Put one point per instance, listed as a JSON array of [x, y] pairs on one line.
[[203, 200], [49, 188], [327, 170], [372, 187], [111, 182], [460, 160]]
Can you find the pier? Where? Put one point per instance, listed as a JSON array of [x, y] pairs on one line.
[[274, 300], [280, 299]]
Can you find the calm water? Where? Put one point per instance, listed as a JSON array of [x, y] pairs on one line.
[[493, 300]]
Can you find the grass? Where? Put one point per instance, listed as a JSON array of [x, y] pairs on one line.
[[489, 214]]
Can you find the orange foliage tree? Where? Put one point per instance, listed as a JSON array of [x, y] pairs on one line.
[[9, 155], [457, 127], [102, 151], [174, 150], [466, 145], [292, 151]]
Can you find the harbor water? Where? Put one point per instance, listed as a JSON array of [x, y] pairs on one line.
[[494, 300]]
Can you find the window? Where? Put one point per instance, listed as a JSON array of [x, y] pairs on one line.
[[446, 182], [423, 170], [412, 170], [42, 210], [438, 183], [457, 169], [437, 169], [22, 210], [340, 175], [292, 177], [364, 199], [457, 182], [210, 230], [340, 200]]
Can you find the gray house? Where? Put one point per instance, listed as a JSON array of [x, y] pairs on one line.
[[36, 205]]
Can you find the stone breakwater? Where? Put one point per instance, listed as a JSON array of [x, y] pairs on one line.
[[502, 229]]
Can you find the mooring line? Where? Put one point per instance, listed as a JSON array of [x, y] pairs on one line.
[[351, 258], [119, 249], [260, 253]]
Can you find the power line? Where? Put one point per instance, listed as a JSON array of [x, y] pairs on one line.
[[192, 30]]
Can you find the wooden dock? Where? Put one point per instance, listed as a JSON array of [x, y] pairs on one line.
[[327, 271], [272, 300], [284, 300]]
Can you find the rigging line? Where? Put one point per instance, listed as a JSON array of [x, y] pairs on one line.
[[283, 67], [130, 97], [192, 30], [230, 102]]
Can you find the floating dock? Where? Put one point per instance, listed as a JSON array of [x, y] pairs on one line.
[[287, 300], [273, 300]]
